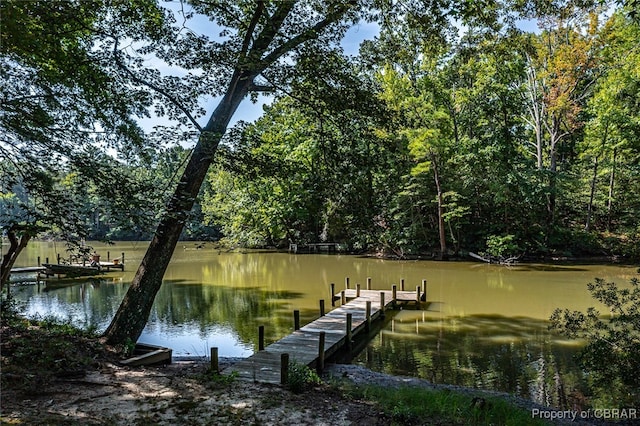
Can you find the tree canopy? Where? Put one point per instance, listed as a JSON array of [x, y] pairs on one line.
[[453, 130]]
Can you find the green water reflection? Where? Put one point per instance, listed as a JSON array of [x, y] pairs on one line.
[[515, 355], [483, 325]]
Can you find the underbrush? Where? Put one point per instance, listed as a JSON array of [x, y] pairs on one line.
[[415, 406], [37, 351]]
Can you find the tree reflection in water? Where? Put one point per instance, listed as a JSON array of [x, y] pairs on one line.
[[514, 355]]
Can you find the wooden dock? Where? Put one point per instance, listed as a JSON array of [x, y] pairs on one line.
[[322, 338], [72, 267]]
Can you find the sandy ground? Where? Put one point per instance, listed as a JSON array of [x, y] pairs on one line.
[[181, 393]]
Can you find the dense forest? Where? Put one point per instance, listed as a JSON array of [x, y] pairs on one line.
[[447, 133]]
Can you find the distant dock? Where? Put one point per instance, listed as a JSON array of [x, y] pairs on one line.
[[73, 267], [314, 248]]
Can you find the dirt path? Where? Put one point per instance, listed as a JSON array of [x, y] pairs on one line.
[[178, 395]]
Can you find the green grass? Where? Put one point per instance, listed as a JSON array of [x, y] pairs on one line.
[[414, 406]]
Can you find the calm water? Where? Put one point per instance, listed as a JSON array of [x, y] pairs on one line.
[[483, 326]]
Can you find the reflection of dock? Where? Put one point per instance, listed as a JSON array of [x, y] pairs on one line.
[[312, 344]]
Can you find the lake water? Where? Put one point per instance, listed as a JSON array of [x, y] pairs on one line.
[[483, 325]]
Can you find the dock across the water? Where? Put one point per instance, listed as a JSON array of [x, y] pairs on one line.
[[317, 341], [72, 267]]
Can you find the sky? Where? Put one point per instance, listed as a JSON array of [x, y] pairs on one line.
[[249, 111]]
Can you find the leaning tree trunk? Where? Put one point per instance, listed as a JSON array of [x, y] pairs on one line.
[[16, 245], [256, 54], [133, 313]]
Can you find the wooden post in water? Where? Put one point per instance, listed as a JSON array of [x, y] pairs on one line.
[[424, 289], [38, 260], [214, 361], [349, 322], [346, 283], [46, 260], [333, 294], [284, 369], [382, 304], [122, 261], [357, 290], [402, 284], [58, 258], [321, 340], [261, 338], [343, 297], [108, 256], [368, 315], [368, 283], [394, 295], [418, 296], [321, 307], [296, 320]]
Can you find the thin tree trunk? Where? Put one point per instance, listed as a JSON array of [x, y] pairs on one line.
[[612, 178], [587, 225], [441, 225]]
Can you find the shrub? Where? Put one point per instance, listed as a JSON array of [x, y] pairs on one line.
[[301, 377], [612, 354]]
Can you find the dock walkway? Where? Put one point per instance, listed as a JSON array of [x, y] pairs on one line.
[[303, 345]]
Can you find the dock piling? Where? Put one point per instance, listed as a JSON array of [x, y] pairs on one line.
[[333, 294], [284, 369], [382, 304], [346, 283], [296, 320], [402, 284], [214, 361], [357, 290], [418, 296], [349, 332], [321, 307], [394, 294], [343, 297], [321, 340], [261, 338], [368, 283], [424, 289], [368, 315]]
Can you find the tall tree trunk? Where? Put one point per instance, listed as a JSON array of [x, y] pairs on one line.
[[587, 225], [133, 313], [612, 178], [257, 52], [441, 225]]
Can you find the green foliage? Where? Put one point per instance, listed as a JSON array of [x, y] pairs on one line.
[[408, 405], [502, 246], [612, 353], [301, 377], [216, 380]]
